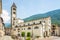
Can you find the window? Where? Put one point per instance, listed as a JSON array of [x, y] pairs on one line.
[[29, 28], [54, 26], [14, 13], [34, 23], [28, 24], [40, 22], [18, 29], [36, 27], [53, 32], [14, 8], [18, 34], [14, 19], [16, 26]]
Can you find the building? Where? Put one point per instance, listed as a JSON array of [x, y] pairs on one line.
[[7, 31], [58, 30], [55, 30], [13, 15], [1, 21], [40, 27]]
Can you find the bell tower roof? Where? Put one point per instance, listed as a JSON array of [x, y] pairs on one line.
[[13, 5]]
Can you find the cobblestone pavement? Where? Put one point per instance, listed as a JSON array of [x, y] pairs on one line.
[[50, 38]]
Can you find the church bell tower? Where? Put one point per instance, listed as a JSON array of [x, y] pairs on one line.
[[13, 15]]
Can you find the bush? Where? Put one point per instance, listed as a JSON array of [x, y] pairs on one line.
[[28, 38], [28, 34], [23, 34]]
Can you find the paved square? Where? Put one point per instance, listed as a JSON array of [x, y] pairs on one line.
[[50, 38]]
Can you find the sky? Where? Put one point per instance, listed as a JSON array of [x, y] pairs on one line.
[[26, 8]]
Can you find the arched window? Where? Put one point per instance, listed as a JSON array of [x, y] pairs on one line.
[[36, 27], [40, 22], [14, 13], [29, 28], [28, 24], [16, 26], [14, 8], [18, 34], [14, 19]]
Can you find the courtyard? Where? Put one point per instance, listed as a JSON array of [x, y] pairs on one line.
[[47, 38]]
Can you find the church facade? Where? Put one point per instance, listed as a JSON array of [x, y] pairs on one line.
[[40, 27]]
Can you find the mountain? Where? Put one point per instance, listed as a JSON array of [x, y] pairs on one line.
[[8, 25], [55, 16]]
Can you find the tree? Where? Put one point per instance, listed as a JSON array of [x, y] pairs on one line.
[[23, 34], [28, 34]]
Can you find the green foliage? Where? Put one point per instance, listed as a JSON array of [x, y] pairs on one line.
[[28, 34], [23, 34], [28, 38]]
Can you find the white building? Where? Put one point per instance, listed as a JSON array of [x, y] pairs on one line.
[[40, 27]]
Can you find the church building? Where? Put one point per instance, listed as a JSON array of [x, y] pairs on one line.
[[36, 28]]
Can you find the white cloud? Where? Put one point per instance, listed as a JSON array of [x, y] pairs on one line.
[[5, 16]]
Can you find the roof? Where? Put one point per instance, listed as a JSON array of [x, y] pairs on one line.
[[13, 5]]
